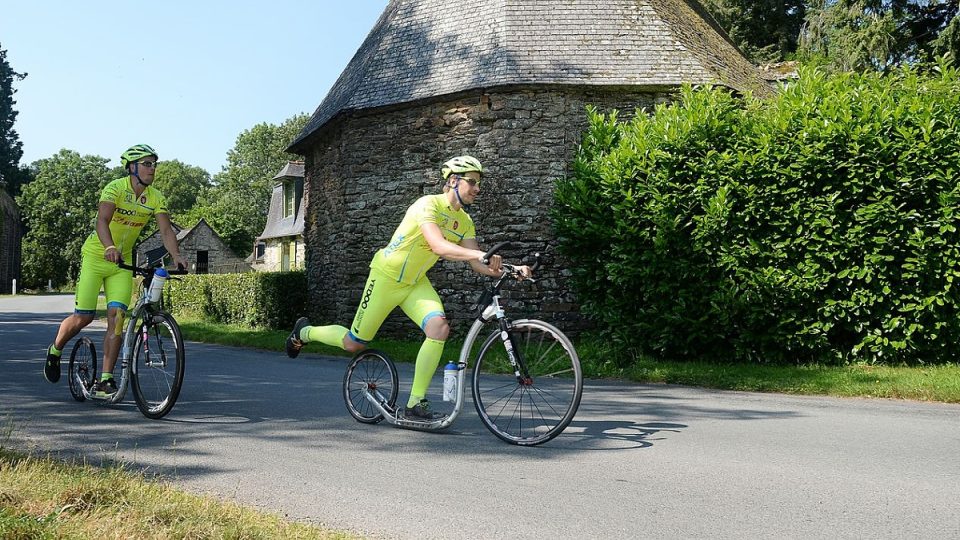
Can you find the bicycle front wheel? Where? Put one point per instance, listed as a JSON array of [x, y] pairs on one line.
[[158, 364], [370, 372], [83, 368], [536, 402]]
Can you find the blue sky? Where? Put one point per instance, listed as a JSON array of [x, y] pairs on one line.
[[185, 76]]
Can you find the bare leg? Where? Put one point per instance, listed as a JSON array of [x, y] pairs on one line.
[[111, 341], [70, 327], [352, 346]]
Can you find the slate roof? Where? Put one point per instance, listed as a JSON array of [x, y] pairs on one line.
[[420, 49], [278, 226]]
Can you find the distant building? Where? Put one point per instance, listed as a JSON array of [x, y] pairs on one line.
[[11, 235], [280, 246], [200, 245]]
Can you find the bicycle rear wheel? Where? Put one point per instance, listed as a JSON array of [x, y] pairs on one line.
[[370, 371], [83, 368], [539, 404], [158, 364]]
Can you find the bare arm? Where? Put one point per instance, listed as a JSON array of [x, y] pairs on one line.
[[492, 270], [105, 212], [447, 249]]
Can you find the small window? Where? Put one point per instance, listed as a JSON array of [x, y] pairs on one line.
[[289, 198], [261, 250]]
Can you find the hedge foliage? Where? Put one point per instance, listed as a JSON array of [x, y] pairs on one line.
[[255, 299], [818, 226]]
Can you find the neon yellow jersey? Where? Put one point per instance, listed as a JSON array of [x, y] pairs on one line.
[[408, 256], [131, 215]]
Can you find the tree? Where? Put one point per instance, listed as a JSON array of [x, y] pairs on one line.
[[11, 150], [854, 35], [764, 30], [59, 209], [236, 207]]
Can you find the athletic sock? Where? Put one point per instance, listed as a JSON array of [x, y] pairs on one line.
[[427, 361], [328, 335], [54, 350]]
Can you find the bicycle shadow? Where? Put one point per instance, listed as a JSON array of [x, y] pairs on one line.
[[607, 435]]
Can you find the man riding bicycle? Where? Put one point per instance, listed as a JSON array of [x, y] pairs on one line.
[[125, 206], [434, 226]]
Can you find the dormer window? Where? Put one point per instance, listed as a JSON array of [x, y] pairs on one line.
[[289, 198]]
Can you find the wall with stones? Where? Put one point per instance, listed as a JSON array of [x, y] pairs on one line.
[[364, 169], [220, 258]]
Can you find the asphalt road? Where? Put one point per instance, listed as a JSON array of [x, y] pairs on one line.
[[639, 461]]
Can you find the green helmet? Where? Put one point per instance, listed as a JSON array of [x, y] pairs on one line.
[[459, 165], [135, 153]]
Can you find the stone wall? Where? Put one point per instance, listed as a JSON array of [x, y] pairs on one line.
[[364, 170], [11, 233], [220, 258]]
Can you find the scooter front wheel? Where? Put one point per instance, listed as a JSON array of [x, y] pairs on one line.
[[370, 372]]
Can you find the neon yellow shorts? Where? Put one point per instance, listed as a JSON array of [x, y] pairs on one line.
[[381, 294], [96, 272]]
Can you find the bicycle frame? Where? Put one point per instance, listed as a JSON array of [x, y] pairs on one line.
[[491, 311], [126, 351]]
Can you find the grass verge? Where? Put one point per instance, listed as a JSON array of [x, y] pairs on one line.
[[928, 383], [41, 497]]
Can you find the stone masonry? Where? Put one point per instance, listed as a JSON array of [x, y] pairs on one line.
[[369, 166]]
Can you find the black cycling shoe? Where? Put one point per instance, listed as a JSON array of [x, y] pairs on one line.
[[421, 411], [51, 370], [105, 388], [293, 342]]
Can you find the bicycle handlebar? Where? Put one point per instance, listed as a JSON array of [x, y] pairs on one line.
[[146, 271], [510, 269]]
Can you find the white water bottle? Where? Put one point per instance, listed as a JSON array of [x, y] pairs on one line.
[[450, 382], [156, 286]]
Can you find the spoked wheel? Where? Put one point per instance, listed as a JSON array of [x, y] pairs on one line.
[[370, 371], [158, 364], [83, 367], [539, 404]]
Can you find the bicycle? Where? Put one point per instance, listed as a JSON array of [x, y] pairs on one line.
[[151, 356], [531, 407]]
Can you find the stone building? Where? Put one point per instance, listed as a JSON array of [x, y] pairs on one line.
[[506, 81], [280, 246], [200, 245], [11, 234]]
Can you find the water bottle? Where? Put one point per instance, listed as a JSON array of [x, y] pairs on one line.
[[156, 286], [450, 382]]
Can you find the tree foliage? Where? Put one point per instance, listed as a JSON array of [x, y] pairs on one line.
[[237, 205], [59, 208], [822, 225], [856, 35], [12, 176], [764, 30]]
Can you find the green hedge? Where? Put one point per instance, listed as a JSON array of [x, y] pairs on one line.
[[817, 226], [255, 299]]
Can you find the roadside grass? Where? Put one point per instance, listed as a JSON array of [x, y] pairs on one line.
[[924, 383], [42, 497]]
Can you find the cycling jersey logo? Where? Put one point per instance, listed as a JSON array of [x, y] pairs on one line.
[[143, 199], [456, 225], [367, 293]]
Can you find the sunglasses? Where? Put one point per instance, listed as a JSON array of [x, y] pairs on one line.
[[148, 164], [469, 180]]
